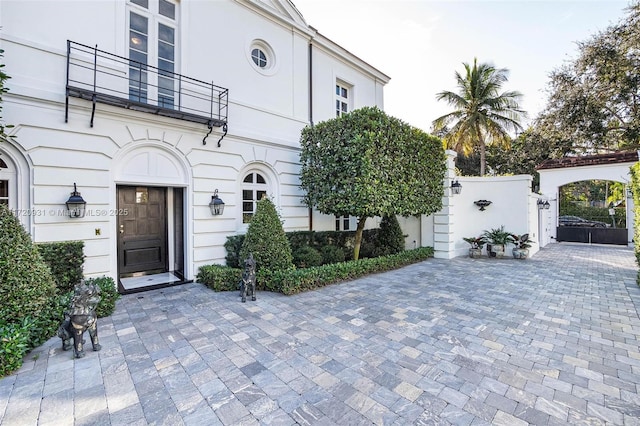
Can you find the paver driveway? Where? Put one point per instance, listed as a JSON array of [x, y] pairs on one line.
[[550, 340]]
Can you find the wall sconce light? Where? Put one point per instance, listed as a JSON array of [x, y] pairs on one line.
[[456, 187], [482, 204], [543, 204], [76, 204], [216, 205]]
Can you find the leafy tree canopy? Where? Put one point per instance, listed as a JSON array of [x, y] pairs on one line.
[[594, 100], [525, 152], [366, 163]]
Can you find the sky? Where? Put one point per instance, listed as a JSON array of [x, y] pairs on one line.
[[420, 44]]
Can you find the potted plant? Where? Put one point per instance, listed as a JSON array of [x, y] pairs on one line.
[[496, 240], [476, 243], [522, 244]]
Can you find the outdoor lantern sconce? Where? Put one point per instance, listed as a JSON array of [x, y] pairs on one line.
[[456, 187], [216, 205], [543, 204], [76, 204], [482, 204]]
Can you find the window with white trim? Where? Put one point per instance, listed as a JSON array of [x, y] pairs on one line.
[[342, 99], [254, 188], [262, 57], [343, 223], [152, 41]]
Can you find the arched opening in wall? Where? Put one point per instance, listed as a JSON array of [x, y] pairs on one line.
[[152, 227], [592, 211], [4, 184]]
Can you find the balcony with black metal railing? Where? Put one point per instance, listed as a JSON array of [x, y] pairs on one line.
[[102, 77]]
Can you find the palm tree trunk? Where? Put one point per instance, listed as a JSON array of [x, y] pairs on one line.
[[482, 158], [483, 149]]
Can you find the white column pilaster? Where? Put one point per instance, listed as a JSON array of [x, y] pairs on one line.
[[443, 220]]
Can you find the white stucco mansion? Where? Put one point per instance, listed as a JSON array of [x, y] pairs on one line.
[[151, 106]]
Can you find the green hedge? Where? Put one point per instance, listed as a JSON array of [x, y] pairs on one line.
[[219, 278], [108, 295], [374, 243], [299, 280], [225, 278], [65, 260], [15, 339], [28, 314]]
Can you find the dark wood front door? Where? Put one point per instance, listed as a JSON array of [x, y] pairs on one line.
[[142, 229]]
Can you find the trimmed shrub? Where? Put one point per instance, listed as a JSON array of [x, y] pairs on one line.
[[27, 288], [233, 246], [390, 239], [367, 246], [108, 295], [65, 260], [219, 277], [331, 254], [298, 239], [14, 344], [307, 256], [266, 239], [297, 280], [328, 243]]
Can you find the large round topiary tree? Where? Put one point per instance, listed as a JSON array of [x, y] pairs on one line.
[[266, 239], [27, 288], [366, 164]]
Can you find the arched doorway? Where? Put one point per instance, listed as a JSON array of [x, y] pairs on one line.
[[151, 196], [556, 174]]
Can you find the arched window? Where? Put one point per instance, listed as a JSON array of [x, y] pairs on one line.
[[254, 187], [4, 184]]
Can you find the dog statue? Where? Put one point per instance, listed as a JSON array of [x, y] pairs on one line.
[[248, 281], [80, 317]]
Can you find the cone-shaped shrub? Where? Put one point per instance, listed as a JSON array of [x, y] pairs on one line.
[[266, 240], [390, 237], [27, 288]]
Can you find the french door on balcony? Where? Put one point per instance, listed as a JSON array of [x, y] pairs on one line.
[[152, 42]]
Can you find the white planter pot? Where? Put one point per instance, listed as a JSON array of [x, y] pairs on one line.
[[520, 253]]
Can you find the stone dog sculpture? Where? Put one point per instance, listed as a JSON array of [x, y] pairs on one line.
[[80, 317], [248, 281]]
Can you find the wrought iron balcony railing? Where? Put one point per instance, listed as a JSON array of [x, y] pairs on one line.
[[103, 77]]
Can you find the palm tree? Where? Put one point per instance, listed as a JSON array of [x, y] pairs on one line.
[[482, 115]]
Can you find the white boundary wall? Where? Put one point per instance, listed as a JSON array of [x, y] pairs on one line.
[[513, 206]]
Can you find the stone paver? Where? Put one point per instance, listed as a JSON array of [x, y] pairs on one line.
[[550, 340]]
